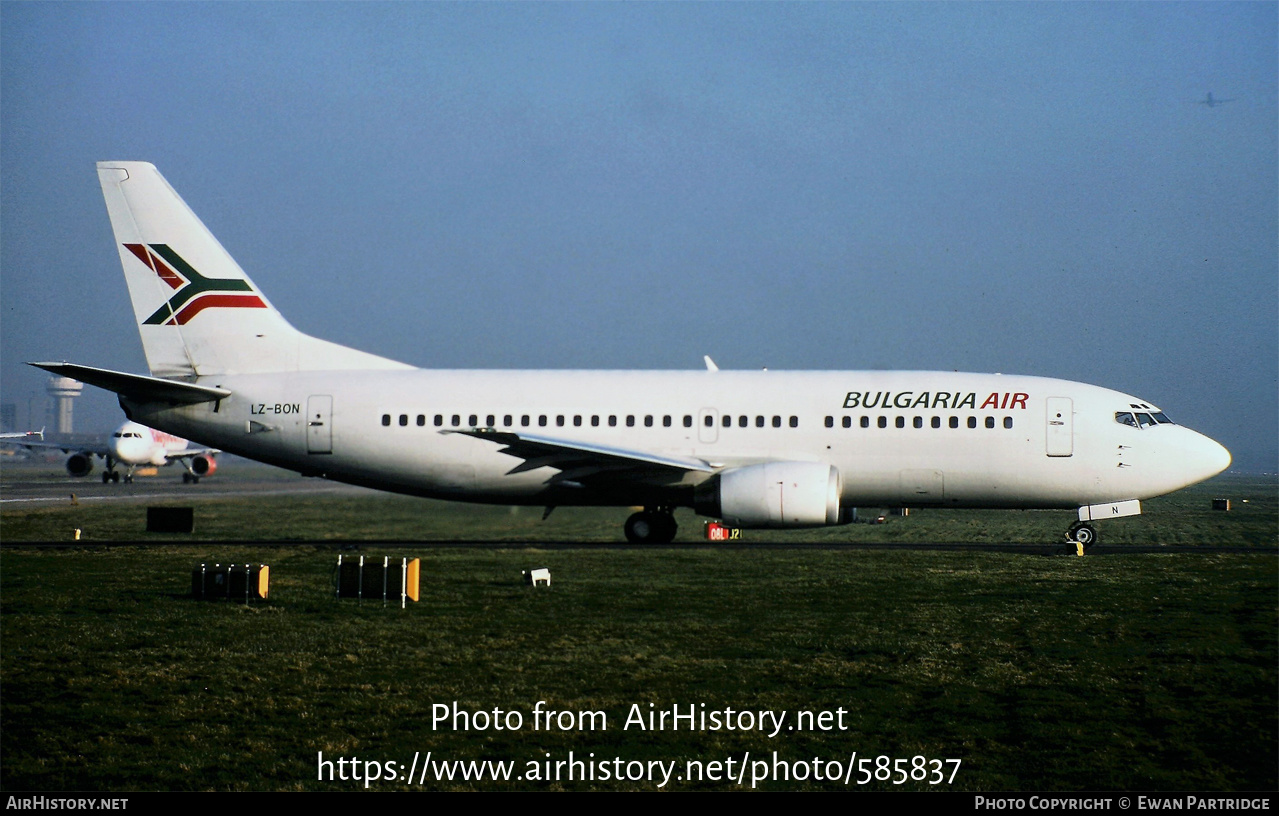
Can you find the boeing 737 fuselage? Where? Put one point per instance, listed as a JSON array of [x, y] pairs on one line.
[[755, 448]]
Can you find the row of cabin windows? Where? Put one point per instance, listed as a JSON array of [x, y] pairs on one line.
[[630, 420], [917, 422], [726, 420]]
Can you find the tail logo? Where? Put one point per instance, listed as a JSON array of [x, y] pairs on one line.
[[193, 292]]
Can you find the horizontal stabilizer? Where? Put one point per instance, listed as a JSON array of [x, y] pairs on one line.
[[136, 387]]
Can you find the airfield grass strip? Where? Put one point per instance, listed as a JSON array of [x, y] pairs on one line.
[[1152, 672]]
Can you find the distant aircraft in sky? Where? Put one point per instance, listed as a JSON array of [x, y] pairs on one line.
[[1212, 103], [758, 449], [133, 445]]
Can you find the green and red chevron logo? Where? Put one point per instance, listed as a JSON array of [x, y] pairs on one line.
[[194, 292]]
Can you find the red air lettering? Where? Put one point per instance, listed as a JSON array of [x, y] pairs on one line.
[[1006, 400]]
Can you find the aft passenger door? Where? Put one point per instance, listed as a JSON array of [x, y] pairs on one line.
[[1059, 431], [319, 426]]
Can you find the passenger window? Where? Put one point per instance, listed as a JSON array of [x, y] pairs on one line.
[[936, 422], [865, 422], [577, 420], [491, 421], [972, 422], [1008, 422], [777, 422], [474, 421], [386, 419], [709, 422], [919, 422], [728, 421], [759, 422], [421, 420], [830, 422], [883, 422], [439, 420], [900, 422], [954, 422], [457, 420], [1125, 418], [508, 420], [524, 421], [630, 420], [666, 421], [794, 422], [990, 422], [743, 421], [848, 422], [688, 421], [404, 419], [612, 420], [648, 420], [559, 421], [595, 421], [541, 420]]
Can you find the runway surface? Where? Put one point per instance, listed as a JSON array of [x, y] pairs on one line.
[[28, 482], [33, 483]]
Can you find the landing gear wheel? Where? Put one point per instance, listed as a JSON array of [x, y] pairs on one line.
[[186, 478], [128, 478], [115, 476], [1082, 533], [106, 477], [651, 527]]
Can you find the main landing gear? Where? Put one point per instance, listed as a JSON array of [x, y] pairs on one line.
[[1083, 533], [652, 526]]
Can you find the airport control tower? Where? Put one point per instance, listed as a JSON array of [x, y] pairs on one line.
[[64, 390]]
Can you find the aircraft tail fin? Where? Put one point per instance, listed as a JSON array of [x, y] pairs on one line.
[[197, 311]]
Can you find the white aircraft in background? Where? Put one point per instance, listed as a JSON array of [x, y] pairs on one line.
[[133, 445], [37, 435], [754, 448]]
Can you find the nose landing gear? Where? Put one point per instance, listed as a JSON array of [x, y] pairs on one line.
[[1082, 533]]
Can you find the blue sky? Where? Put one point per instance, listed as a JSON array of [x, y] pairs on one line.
[[1025, 188]]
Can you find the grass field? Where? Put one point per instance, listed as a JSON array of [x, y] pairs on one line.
[[1137, 671]]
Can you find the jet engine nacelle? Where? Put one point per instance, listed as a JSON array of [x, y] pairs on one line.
[[203, 465], [80, 464], [773, 494]]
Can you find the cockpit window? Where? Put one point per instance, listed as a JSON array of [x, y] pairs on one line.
[[1142, 420]]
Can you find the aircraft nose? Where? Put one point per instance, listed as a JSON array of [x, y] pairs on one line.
[[1205, 457]]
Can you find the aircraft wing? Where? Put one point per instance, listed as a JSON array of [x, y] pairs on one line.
[[98, 448], [578, 461]]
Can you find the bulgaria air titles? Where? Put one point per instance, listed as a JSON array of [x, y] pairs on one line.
[[953, 400]]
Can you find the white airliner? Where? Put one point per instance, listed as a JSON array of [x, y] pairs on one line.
[[133, 445], [754, 448]]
